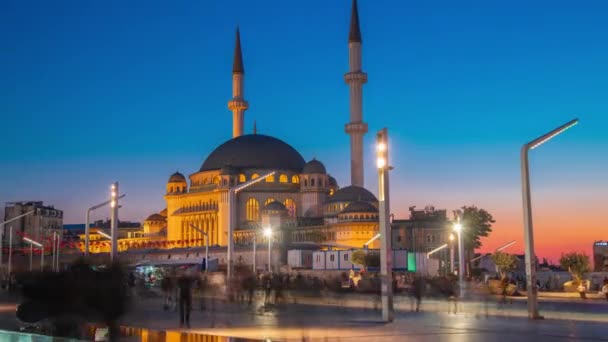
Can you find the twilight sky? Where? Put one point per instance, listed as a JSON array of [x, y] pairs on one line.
[[97, 91]]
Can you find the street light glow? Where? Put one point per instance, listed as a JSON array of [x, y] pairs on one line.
[[381, 147], [451, 237], [267, 232], [100, 232], [381, 162], [37, 244], [457, 227]]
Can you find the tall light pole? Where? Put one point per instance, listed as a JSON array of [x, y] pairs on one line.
[[268, 234], [458, 228], [2, 224], [254, 251], [114, 220], [528, 228], [206, 245], [37, 244], [451, 253], [386, 252], [87, 220], [232, 219]]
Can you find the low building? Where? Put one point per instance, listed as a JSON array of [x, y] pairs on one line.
[[600, 256], [39, 225], [424, 231]]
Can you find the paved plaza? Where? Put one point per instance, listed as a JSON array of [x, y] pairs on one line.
[[475, 321]]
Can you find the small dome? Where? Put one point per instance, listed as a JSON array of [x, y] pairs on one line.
[[177, 178], [275, 205], [314, 166], [353, 193], [333, 181], [163, 212], [156, 217], [359, 207]]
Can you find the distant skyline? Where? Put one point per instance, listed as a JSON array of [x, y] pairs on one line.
[[93, 92]]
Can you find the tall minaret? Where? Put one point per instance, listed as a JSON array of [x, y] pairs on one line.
[[237, 105], [355, 78]]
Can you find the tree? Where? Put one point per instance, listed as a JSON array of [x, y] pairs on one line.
[[505, 263], [477, 223], [577, 264]]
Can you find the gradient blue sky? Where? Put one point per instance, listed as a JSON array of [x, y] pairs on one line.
[[97, 91]]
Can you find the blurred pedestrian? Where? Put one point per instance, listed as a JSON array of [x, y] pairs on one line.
[[418, 288], [605, 288], [184, 283]]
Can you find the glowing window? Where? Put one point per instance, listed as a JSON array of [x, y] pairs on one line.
[[270, 179], [242, 178], [253, 210], [331, 192], [295, 180], [291, 207], [254, 176], [216, 180], [283, 179], [269, 200]]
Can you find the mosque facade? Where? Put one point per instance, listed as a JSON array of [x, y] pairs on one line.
[[301, 202]]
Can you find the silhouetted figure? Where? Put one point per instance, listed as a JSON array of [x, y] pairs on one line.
[[166, 286], [605, 288], [582, 289], [418, 288], [184, 283]]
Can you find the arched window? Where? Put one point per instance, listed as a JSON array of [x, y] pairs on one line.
[[225, 182], [305, 182], [216, 180], [270, 179], [253, 210], [291, 206], [283, 178], [171, 189], [242, 178], [269, 200], [312, 182], [295, 179], [254, 176]]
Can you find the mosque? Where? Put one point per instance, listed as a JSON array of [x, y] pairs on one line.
[[300, 201]]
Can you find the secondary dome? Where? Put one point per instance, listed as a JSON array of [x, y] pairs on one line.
[[275, 205], [156, 217], [360, 207], [353, 193], [254, 151], [314, 166], [177, 178]]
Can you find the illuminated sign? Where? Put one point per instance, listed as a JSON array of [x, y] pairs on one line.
[[602, 243]]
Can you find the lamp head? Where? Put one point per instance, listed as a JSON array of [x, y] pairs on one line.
[[267, 232], [457, 227]]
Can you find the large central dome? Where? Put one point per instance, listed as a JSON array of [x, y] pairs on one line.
[[254, 151]]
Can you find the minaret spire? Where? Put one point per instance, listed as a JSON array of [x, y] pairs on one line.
[[238, 105], [355, 33], [355, 78], [255, 128]]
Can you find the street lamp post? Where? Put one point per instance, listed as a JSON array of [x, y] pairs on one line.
[[10, 250], [206, 245], [451, 253], [87, 220], [528, 227], [232, 219], [114, 221], [254, 251], [38, 244], [384, 225], [268, 234], [458, 228]]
